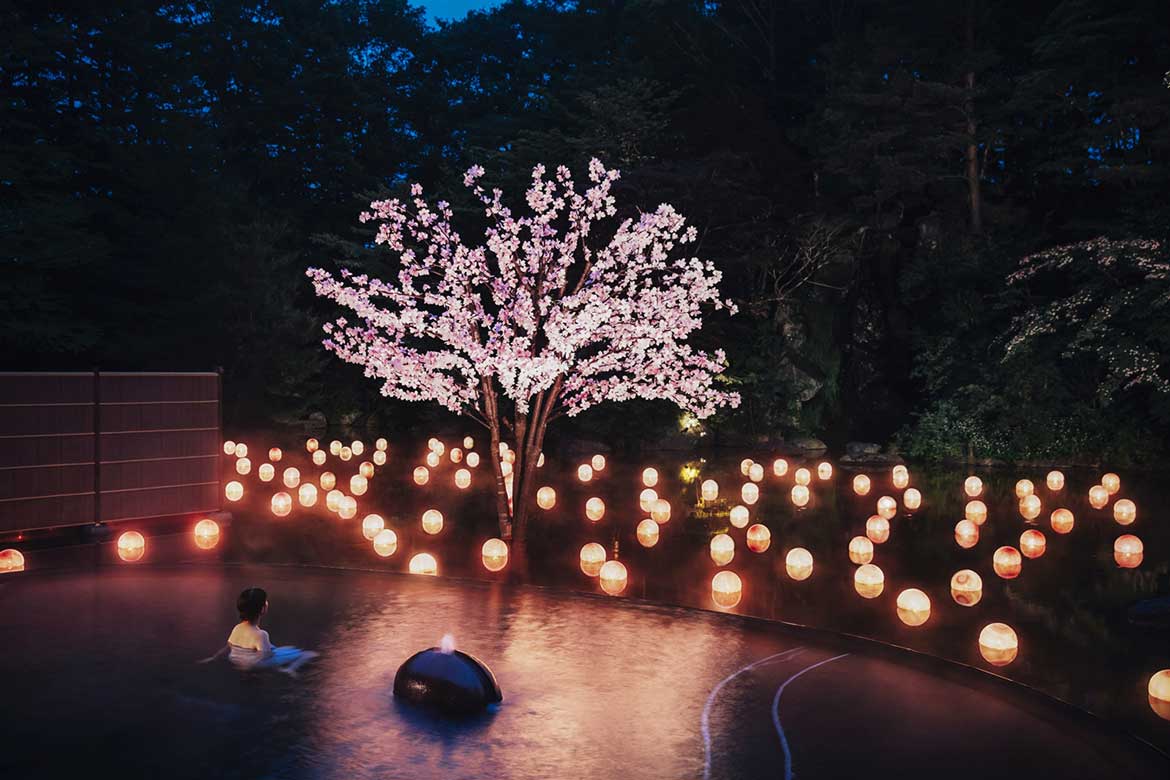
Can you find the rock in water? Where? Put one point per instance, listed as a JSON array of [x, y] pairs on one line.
[[453, 682]]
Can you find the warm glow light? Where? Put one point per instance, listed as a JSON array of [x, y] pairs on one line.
[[243, 466], [346, 453], [709, 490], [266, 472], [307, 494], [328, 480], [887, 507], [660, 511], [229, 447], [647, 533], [431, 460], [132, 545], [1024, 488], [798, 563], [869, 581], [473, 460], [432, 521], [424, 563], [312, 445], [463, 479], [456, 455], [1109, 481], [281, 504], [233, 490], [291, 477], [468, 443], [759, 538], [726, 589], [372, 525], [1128, 551], [877, 528], [824, 470], [750, 493], [650, 476], [380, 458], [357, 448], [319, 458], [334, 448], [1098, 497], [421, 475], [913, 607], [494, 554], [1032, 543], [966, 588], [739, 515], [1159, 692], [595, 509], [366, 469], [799, 495], [437, 447], [779, 467], [647, 498], [1007, 562], [1030, 506], [1124, 511], [592, 557], [11, 561], [998, 644], [613, 577], [381, 445], [546, 497], [584, 472], [597, 462], [275, 454], [912, 498], [900, 476], [347, 508], [860, 549], [722, 549], [333, 500], [358, 484], [756, 473], [861, 485], [802, 476], [241, 450], [973, 486], [976, 512], [1062, 521], [386, 542], [1054, 480], [966, 534], [206, 534], [745, 466]]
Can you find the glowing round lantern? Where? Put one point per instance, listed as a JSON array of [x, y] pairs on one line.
[[595, 509], [799, 495], [346, 453], [328, 480], [584, 472], [592, 557], [241, 450], [380, 458], [12, 560], [291, 477], [973, 486], [869, 581], [335, 448], [1062, 521], [1159, 692], [456, 455], [966, 534], [824, 470], [381, 444], [372, 525], [546, 497], [436, 446], [913, 607], [319, 458], [468, 443], [266, 472], [966, 588], [307, 494], [243, 466], [802, 476], [312, 445], [422, 475], [1124, 511], [432, 521], [756, 473], [206, 534], [860, 549], [647, 498], [1110, 481], [779, 467], [709, 490], [463, 479], [233, 490], [613, 577], [358, 484], [647, 533], [1098, 497], [1032, 543], [976, 512], [494, 554], [275, 454], [1054, 480], [424, 563], [333, 500], [386, 542], [745, 466], [877, 528], [798, 563], [1007, 562], [281, 504], [347, 508], [1128, 551], [861, 485], [473, 460], [1030, 506], [660, 511], [131, 546], [366, 469], [998, 644], [750, 493], [900, 476], [432, 459], [759, 538], [229, 447], [357, 448], [598, 463], [1024, 488], [912, 498], [726, 589], [887, 507], [739, 516], [649, 477], [722, 549]]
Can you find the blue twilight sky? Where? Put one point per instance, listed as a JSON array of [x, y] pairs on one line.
[[454, 9]]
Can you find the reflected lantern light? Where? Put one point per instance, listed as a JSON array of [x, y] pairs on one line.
[[1159, 693], [1062, 521], [1098, 497], [660, 511], [613, 577], [243, 466], [860, 549], [319, 458], [597, 462], [366, 469], [799, 495], [432, 521], [312, 445], [861, 485], [206, 534], [333, 500], [1024, 488], [372, 525], [1109, 481], [650, 477], [877, 528], [1030, 506], [494, 554], [998, 644], [584, 472], [966, 588], [1128, 551], [592, 557], [11, 561], [900, 477], [802, 476], [266, 472], [722, 549], [595, 509], [966, 534], [726, 589], [973, 486], [381, 444], [739, 516], [281, 504], [275, 454], [307, 494], [759, 538], [1032, 543], [750, 493], [328, 480], [358, 485], [546, 497], [233, 491], [976, 512], [292, 477], [887, 507], [421, 475], [798, 563], [424, 563], [647, 498], [709, 490], [347, 508], [1054, 480], [385, 542], [131, 546], [647, 533], [1007, 562], [912, 498], [756, 473], [779, 467], [463, 479], [241, 450], [824, 470], [1124, 512], [913, 607], [869, 581]]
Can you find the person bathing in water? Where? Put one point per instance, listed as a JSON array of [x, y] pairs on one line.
[[248, 646]]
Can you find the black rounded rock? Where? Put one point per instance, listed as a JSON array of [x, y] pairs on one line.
[[453, 682]]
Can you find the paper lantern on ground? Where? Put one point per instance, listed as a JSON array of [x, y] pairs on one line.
[[358, 485], [307, 494], [802, 476], [1054, 480], [722, 549], [1062, 521], [584, 472], [206, 534], [463, 479], [750, 493], [726, 589], [869, 581], [745, 466], [647, 498], [647, 533], [334, 447], [473, 460], [877, 528], [650, 477], [966, 588], [913, 607], [998, 644], [328, 480], [432, 460], [756, 473], [381, 445], [1024, 488], [966, 534], [546, 497], [739, 516], [613, 576], [281, 504], [1098, 497], [1128, 551], [347, 508], [275, 454], [421, 475], [386, 542], [346, 453], [229, 447], [333, 500], [366, 469], [860, 549], [233, 490], [1032, 544], [319, 458], [495, 554], [432, 521], [1007, 562], [592, 557], [799, 495], [973, 486], [660, 511], [357, 448], [759, 538], [372, 525], [456, 455], [861, 485], [597, 462], [900, 477], [824, 470], [1124, 511], [1110, 481], [312, 445], [266, 472], [595, 509], [291, 477], [424, 563], [779, 467], [709, 490], [131, 546], [887, 507], [976, 512], [243, 466], [1159, 693], [798, 563], [1030, 507], [912, 499], [11, 561]]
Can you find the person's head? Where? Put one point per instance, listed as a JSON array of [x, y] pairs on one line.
[[252, 603]]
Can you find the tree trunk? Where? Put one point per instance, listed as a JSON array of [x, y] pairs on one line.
[[974, 184]]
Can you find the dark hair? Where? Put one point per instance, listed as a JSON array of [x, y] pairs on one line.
[[251, 603]]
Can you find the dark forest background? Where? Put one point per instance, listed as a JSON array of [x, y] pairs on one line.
[[867, 173]]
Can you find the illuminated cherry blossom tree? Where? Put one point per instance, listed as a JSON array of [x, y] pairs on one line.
[[556, 310]]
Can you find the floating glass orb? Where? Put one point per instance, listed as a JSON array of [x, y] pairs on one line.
[[709, 490], [739, 515], [346, 453], [468, 443], [422, 475], [432, 521], [358, 485], [292, 477], [1159, 692], [333, 500], [973, 486], [372, 525], [584, 472], [613, 577], [745, 466], [861, 485], [900, 477], [860, 549], [1055, 480], [722, 549], [328, 480], [913, 607], [592, 557], [1062, 521], [912, 498], [1024, 488], [424, 563], [335, 448], [647, 533], [759, 538], [494, 554], [243, 466], [473, 460], [433, 460], [726, 589], [11, 561], [307, 494], [802, 476], [887, 507], [206, 534], [1098, 497], [660, 511], [229, 447], [966, 534], [1128, 551], [647, 498], [799, 495], [597, 462], [456, 455], [798, 563], [281, 504], [241, 450], [233, 490], [131, 546], [976, 512], [1007, 562], [357, 448], [505, 468], [274, 454], [756, 473], [650, 477], [966, 588], [381, 445], [1110, 481], [998, 644], [1032, 543], [595, 509], [1124, 511], [266, 472], [386, 542], [779, 467], [869, 581], [319, 458], [366, 469], [347, 508], [546, 497], [1030, 506], [824, 470], [463, 479], [750, 493], [877, 528]]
